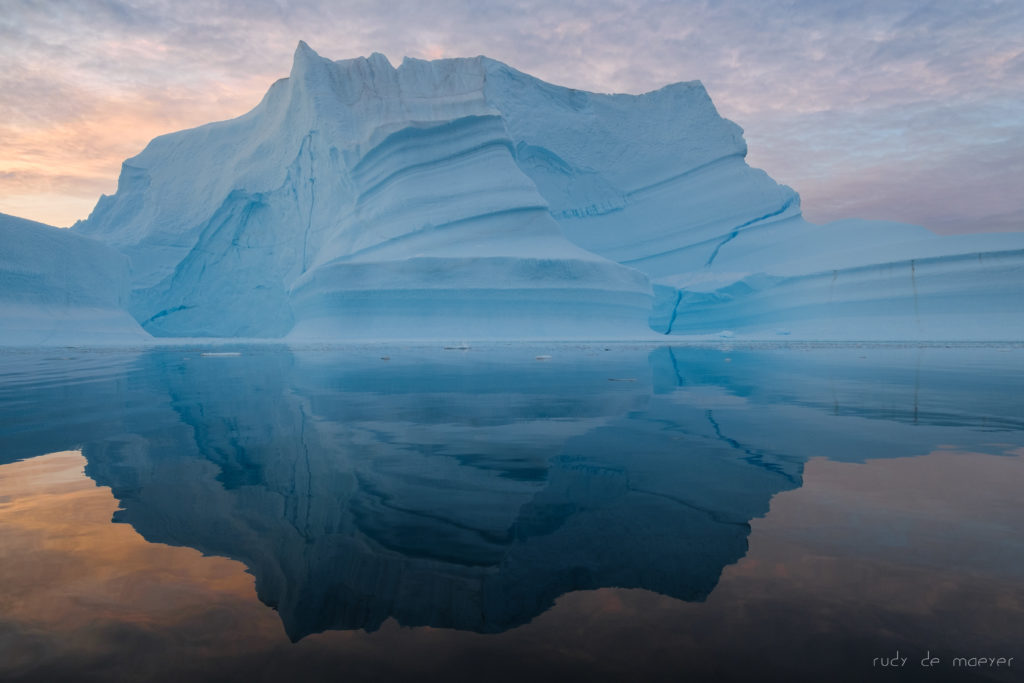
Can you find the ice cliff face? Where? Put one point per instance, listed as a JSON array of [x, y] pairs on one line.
[[461, 199], [358, 201]]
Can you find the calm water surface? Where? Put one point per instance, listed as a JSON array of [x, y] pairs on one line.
[[568, 512]]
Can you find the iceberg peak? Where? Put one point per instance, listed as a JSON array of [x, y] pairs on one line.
[[303, 50], [305, 59], [379, 61]]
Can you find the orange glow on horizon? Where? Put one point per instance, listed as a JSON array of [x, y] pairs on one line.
[[54, 171]]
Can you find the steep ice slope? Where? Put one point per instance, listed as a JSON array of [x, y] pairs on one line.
[[658, 182], [61, 288], [357, 201]]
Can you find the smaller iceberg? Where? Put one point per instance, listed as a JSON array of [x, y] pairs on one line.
[[60, 288]]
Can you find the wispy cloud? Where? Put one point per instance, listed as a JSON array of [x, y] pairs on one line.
[[891, 108]]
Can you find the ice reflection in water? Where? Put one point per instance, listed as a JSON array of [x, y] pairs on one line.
[[469, 489]]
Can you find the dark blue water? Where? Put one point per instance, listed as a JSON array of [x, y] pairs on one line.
[[512, 512]]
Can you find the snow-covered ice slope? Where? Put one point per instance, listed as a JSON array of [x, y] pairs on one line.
[[358, 201], [462, 199], [60, 288]]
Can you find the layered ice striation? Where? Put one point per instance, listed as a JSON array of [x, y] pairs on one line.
[[358, 201], [57, 288], [462, 199], [658, 182]]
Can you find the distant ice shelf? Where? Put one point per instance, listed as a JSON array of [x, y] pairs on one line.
[[460, 199]]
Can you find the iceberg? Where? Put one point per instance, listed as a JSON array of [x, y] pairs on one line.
[[358, 201], [461, 199]]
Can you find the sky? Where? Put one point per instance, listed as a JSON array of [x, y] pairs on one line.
[[899, 110]]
